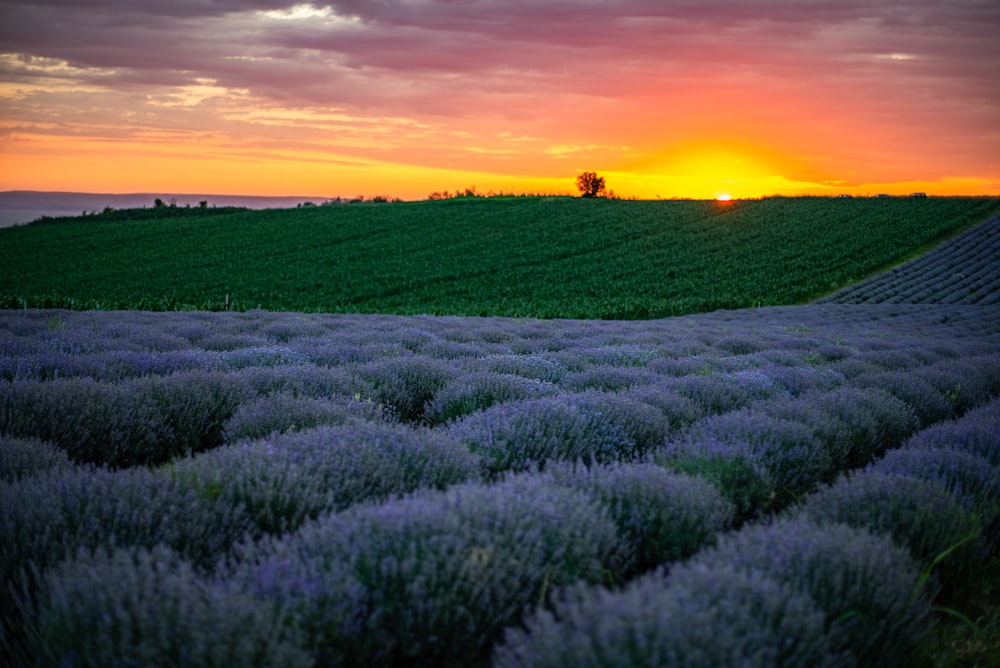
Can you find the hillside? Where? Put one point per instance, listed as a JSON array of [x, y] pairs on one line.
[[516, 257], [294, 488], [965, 270]]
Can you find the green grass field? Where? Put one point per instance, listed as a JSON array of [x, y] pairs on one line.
[[520, 257]]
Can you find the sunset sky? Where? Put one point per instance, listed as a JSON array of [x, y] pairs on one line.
[[664, 98]]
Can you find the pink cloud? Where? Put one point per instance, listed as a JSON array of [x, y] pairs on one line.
[[917, 77]]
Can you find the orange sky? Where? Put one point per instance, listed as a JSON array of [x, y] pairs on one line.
[[673, 98]]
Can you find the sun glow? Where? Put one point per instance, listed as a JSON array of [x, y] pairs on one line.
[[724, 197]]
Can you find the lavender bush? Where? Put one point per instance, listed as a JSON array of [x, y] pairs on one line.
[[515, 435], [476, 391], [303, 381], [760, 462], [874, 421], [964, 382], [606, 378], [661, 516], [406, 384], [795, 458], [799, 380], [143, 421], [53, 514], [828, 430], [677, 411], [970, 478], [283, 412], [149, 608], [431, 579], [712, 393], [863, 582], [23, 457], [537, 366], [977, 432], [643, 424], [285, 480], [929, 404], [920, 515], [699, 617]]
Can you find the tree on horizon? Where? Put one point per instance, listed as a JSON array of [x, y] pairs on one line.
[[590, 184]]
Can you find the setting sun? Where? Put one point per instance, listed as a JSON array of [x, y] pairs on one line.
[[724, 197]]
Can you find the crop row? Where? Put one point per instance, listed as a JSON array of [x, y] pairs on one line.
[[965, 270], [270, 488], [525, 257]]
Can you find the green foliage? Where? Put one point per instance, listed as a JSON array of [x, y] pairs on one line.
[[520, 257]]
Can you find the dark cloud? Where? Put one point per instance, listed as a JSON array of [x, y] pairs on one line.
[[472, 37]]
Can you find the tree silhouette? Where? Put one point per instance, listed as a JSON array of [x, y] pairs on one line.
[[590, 184]]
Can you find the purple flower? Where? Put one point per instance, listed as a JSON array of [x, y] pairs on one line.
[[433, 578], [977, 432], [862, 581], [921, 515], [514, 435], [661, 516], [285, 480], [149, 607], [700, 616]]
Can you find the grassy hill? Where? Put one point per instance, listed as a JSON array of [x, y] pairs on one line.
[[519, 257]]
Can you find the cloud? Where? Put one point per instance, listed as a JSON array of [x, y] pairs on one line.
[[566, 41], [809, 74]]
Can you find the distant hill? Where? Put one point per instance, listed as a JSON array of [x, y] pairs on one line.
[[24, 206]]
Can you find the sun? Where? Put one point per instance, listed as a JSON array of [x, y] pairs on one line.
[[724, 197]]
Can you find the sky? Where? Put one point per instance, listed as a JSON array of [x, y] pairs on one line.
[[664, 98]]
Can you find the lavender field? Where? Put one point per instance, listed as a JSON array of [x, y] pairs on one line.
[[784, 486]]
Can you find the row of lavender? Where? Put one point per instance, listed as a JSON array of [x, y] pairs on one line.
[[307, 429], [965, 270]]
